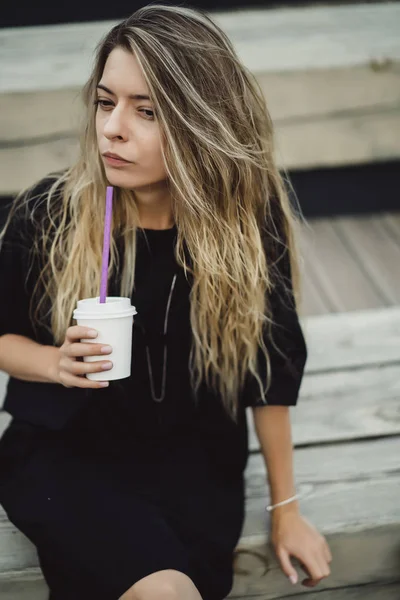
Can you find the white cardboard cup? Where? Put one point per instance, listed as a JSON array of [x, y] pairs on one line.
[[113, 320]]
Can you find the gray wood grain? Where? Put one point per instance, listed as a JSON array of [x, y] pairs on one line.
[[353, 339], [337, 270], [330, 75], [336, 500], [344, 406], [358, 592], [23, 585], [376, 252], [392, 224], [313, 300], [349, 490], [313, 37]]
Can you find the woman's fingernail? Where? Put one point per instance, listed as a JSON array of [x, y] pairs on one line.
[[104, 383], [92, 333], [106, 349], [106, 365], [293, 579]]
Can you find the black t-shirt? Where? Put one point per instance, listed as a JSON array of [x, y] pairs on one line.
[[125, 414]]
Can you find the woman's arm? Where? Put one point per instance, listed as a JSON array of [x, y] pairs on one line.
[[291, 533], [273, 428], [25, 359]]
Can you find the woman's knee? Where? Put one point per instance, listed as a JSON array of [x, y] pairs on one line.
[[163, 585]]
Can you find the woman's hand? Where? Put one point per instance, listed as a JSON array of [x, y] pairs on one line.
[[70, 371], [293, 535]]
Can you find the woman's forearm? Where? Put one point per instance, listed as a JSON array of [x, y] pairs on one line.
[[273, 428], [25, 359]]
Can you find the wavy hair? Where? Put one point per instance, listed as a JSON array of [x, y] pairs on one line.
[[218, 149]]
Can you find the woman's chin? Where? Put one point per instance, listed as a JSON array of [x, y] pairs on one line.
[[120, 179]]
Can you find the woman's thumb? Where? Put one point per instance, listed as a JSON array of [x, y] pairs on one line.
[[286, 565]]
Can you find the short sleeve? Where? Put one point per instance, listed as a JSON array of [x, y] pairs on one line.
[[14, 269], [285, 343]]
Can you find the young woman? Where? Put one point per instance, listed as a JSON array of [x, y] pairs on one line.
[[134, 488]]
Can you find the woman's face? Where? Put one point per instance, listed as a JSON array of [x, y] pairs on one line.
[[126, 125]]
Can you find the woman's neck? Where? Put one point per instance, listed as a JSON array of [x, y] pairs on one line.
[[155, 209]]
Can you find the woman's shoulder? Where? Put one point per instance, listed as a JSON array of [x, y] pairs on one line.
[[29, 210], [33, 201]]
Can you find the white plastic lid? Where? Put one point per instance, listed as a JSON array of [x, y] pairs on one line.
[[114, 307]]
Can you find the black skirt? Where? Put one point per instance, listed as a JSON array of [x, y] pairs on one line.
[[101, 520]]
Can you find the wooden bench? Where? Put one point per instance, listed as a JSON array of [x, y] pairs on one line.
[[330, 75], [346, 431]]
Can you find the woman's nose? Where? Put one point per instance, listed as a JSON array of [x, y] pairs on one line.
[[114, 126]]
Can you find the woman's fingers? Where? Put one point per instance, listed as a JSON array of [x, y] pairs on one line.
[[81, 368], [69, 380], [77, 332], [316, 569], [72, 373], [78, 349]]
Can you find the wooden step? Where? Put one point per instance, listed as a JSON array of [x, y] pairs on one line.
[[346, 437], [350, 496], [330, 75]]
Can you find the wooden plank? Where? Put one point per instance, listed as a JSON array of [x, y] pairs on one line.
[[31, 162], [336, 407], [359, 515], [352, 139], [376, 251], [362, 556], [58, 113], [23, 585], [5, 419], [358, 592], [313, 298], [3, 385], [344, 405], [320, 467], [333, 498], [391, 222], [19, 586], [341, 342], [352, 340], [326, 476], [330, 75], [280, 40], [337, 271]]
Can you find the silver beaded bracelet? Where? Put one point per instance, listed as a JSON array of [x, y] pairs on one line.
[[272, 506]]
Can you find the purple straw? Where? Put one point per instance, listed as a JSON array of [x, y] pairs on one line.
[[106, 245]]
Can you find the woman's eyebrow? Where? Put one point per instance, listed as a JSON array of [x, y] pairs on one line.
[[131, 96]]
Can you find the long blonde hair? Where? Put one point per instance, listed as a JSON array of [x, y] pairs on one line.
[[225, 186]]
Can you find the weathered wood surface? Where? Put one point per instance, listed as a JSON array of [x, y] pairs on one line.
[[23, 585], [368, 236], [349, 482], [350, 495], [33, 588], [330, 75], [362, 592], [352, 340], [337, 269], [345, 405], [350, 263]]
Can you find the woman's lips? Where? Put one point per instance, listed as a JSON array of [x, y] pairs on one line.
[[114, 161]]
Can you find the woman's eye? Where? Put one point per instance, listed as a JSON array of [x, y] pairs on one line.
[[104, 104], [147, 111]]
